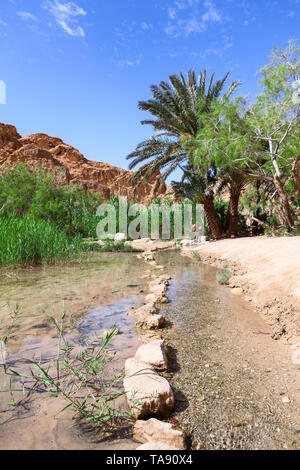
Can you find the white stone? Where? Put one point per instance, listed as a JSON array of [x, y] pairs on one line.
[[157, 298], [154, 430], [154, 353], [148, 393], [146, 310], [151, 322]]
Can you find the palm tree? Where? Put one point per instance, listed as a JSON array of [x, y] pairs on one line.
[[235, 182], [198, 186], [175, 108]]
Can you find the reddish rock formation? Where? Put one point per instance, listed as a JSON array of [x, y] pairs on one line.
[[54, 155]]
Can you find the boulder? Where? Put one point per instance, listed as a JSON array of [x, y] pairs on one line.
[[151, 322], [155, 431], [157, 298], [160, 281], [146, 310], [154, 353], [148, 393], [134, 366], [159, 289]]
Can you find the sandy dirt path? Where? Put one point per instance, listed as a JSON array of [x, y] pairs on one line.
[[268, 271]]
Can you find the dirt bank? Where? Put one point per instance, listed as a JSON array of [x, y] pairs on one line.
[[268, 271]]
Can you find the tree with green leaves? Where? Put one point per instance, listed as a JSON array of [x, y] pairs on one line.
[[274, 121], [174, 110], [223, 142]]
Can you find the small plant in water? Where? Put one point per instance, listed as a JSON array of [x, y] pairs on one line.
[[223, 276], [80, 378], [196, 255]]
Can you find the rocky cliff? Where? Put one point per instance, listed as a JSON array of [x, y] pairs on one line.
[[72, 167]]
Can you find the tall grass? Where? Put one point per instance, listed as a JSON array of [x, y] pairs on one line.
[[27, 240]]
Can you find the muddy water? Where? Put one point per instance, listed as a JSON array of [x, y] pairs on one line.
[[98, 295], [228, 375], [235, 387]]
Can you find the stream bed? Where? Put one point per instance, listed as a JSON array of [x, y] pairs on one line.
[[229, 377]]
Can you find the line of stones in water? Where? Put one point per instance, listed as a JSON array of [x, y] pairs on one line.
[[150, 395]]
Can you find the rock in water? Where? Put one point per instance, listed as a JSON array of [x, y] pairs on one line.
[[155, 354], [148, 393], [154, 430]]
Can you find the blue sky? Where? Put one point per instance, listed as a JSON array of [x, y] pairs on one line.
[[76, 70]]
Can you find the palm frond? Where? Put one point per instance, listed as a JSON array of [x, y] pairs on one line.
[[174, 108]]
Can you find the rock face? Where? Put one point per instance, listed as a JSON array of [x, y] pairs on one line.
[[72, 167], [154, 431]]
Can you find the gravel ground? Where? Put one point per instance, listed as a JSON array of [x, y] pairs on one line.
[[233, 384]]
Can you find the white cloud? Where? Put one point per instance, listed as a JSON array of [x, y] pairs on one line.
[[129, 63], [2, 23], [27, 16], [146, 26], [66, 15], [186, 18]]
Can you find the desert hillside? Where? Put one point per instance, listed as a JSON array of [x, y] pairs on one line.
[[69, 164]]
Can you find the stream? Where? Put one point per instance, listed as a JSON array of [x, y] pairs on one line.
[[228, 375]]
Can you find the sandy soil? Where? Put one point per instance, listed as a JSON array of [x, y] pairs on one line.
[[268, 271]]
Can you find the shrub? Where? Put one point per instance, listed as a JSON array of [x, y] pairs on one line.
[[221, 208], [223, 276], [27, 191], [27, 240]]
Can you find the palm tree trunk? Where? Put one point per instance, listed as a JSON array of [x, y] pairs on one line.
[[211, 217], [286, 210], [233, 213]]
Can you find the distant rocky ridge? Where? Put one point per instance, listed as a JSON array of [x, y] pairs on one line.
[[54, 155]]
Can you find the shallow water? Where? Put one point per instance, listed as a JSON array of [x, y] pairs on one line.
[[228, 375], [98, 295]]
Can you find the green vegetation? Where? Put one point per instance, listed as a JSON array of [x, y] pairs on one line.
[[27, 240], [43, 222], [110, 246], [227, 144], [223, 276], [82, 379], [34, 192], [179, 111]]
